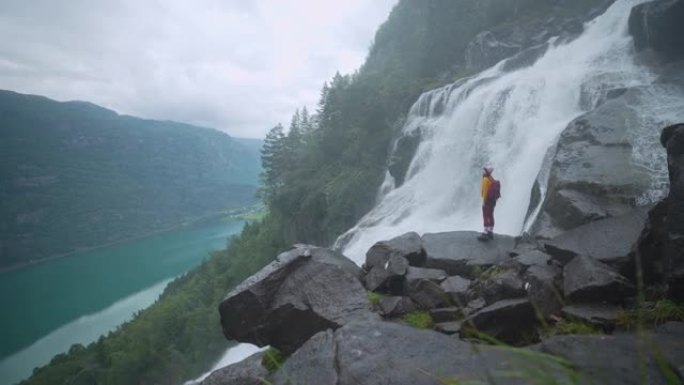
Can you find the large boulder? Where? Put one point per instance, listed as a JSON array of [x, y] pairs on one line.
[[457, 289], [249, 371], [544, 289], [460, 253], [660, 247], [658, 25], [408, 246], [396, 306], [621, 359], [608, 240], [588, 280], [376, 353], [598, 314], [512, 321], [305, 290], [590, 173], [500, 285]]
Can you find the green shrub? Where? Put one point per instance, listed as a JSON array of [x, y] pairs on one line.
[[374, 298], [573, 327], [419, 319], [652, 313]]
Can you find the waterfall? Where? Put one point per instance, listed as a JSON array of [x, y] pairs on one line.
[[508, 119]]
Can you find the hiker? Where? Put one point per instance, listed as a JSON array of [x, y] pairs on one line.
[[491, 191]]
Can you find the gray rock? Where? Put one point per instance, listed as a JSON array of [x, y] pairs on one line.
[[672, 328], [388, 278], [452, 327], [408, 246], [658, 25], [532, 258], [313, 363], [475, 305], [427, 294], [590, 173], [660, 247], [457, 289], [246, 372], [446, 314], [544, 289], [619, 359], [588, 280], [460, 253], [384, 353], [512, 321], [416, 273], [304, 291], [599, 315], [503, 285], [396, 306], [608, 240]]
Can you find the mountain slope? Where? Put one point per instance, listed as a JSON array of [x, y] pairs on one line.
[[75, 175]]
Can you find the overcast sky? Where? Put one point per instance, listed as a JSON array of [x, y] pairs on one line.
[[237, 65]]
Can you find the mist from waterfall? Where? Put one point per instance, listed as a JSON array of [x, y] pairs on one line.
[[505, 119]]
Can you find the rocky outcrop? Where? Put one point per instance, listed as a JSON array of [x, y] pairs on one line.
[[460, 253], [657, 25], [511, 321], [621, 360], [374, 353], [608, 240], [403, 150], [660, 247], [408, 246], [304, 291], [588, 280], [591, 173], [531, 35]]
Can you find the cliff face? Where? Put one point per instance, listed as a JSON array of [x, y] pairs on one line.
[[76, 175], [603, 163]]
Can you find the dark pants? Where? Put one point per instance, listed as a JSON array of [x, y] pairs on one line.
[[488, 214]]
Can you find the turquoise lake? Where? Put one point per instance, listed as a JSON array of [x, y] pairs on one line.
[[49, 306]]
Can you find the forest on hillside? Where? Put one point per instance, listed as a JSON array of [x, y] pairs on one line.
[[75, 175]]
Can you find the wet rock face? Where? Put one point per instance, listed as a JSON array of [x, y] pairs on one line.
[[591, 175], [608, 240], [660, 247], [588, 280], [402, 154], [509, 320], [306, 290], [658, 25]]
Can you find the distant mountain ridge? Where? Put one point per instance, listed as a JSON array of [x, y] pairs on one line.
[[76, 175]]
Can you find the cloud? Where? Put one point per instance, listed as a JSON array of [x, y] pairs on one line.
[[237, 65]]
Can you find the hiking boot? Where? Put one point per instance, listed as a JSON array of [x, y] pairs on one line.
[[484, 237]]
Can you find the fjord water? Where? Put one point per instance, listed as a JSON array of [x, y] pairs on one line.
[[50, 306], [509, 119]]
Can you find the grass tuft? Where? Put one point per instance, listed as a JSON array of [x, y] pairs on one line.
[[374, 298], [653, 313], [419, 319], [273, 359]]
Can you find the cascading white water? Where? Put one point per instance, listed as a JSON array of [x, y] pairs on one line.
[[506, 119]]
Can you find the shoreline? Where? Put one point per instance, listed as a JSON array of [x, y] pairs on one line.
[[227, 215]]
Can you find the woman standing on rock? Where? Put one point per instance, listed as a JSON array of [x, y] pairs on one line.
[[491, 191]]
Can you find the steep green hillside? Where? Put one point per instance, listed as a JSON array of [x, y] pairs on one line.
[[75, 175]]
